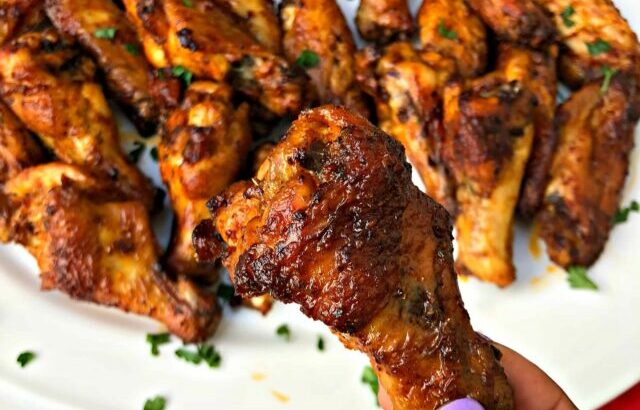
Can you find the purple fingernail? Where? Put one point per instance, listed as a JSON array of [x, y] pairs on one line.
[[462, 404]]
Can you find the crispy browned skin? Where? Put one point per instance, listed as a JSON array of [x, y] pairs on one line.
[[151, 24], [204, 146], [260, 17], [18, 150], [318, 26], [407, 88], [125, 69], [50, 88], [384, 20], [450, 28], [101, 249], [332, 222], [535, 70], [521, 21], [489, 123], [589, 169], [16, 16], [592, 20]]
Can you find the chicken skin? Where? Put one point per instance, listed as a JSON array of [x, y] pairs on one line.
[[489, 123], [205, 144], [448, 27], [333, 223], [596, 135], [17, 16], [18, 150], [99, 248], [384, 20], [261, 19], [50, 87], [317, 38], [407, 88], [102, 29], [151, 23], [593, 35]]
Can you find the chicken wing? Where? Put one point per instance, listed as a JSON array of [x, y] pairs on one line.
[[332, 222], [317, 38], [100, 249], [407, 91], [17, 16], [489, 123], [596, 130], [102, 29], [49, 86], [593, 34], [261, 19], [151, 23], [450, 28], [18, 150], [384, 20], [204, 146], [520, 21]]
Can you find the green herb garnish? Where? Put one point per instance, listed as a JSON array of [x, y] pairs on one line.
[[204, 352], [566, 16], [156, 403], [608, 73], [308, 59], [320, 343], [578, 278], [187, 3], [443, 31], [598, 47], [154, 153], [623, 213], [369, 377], [136, 152], [284, 332], [25, 358], [156, 340], [132, 49], [181, 72], [225, 292], [107, 33]]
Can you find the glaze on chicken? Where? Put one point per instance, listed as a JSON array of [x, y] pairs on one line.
[[384, 20], [18, 149]]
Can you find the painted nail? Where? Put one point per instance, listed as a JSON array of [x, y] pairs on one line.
[[462, 404]]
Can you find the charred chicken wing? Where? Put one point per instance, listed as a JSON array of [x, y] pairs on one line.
[[332, 222], [384, 20], [261, 19], [18, 150], [150, 21], [17, 16]]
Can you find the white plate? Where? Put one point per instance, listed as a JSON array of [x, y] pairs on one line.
[[91, 357]]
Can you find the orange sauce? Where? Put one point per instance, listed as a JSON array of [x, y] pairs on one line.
[[281, 397], [258, 377]]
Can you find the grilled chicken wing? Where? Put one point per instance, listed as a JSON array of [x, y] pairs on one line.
[[450, 28], [593, 34], [316, 29], [384, 20], [102, 29], [589, 168], [205, 145], [332, 222], [100, 249], [520, 21], [151, 23], [408, 94], [489, 123], [18, 16], [18, 150], [261, 19], [50, 88]]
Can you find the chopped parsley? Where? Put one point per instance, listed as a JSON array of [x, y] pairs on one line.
[[284, 332], [156, 403], [187, 3], [154, 153], [204, 353], [107, 33], [157, 339], [320, 343], [225, 292], [132, 49], [25, 358], [136, 152], [608, 73], [444, 32], [369, 377], [578, 278], [566, 16], [598, 47], [307, 59], [623, 213], [181, 72]]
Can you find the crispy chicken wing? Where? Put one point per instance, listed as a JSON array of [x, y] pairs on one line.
[[101, 249], [407, 88], [261, 19], [49, 86], [520, 21], [18, 150], [384, 20], [102, 29], [489, 123], [450, 28], [332, 222], [150, 21], [17, 16], [204, 146], [589, 168], [593, 34], [317, 30]]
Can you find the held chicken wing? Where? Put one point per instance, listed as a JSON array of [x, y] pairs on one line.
[[261, 20], [102, 29], [407, 91], [332, 222], [18, 16], [596, 130], [205, 144], [448, 27], [316, 37], [384, 20], [489, 123], [519, 21], [100, 249], [593, 35], [50, 88], [18, 150]]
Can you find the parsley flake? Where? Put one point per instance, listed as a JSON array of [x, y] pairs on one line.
[[136, 152], [578, 278], [444, 32], [132, 49], [181, 72], [320, 343], [25, 358], [608, 73], [284, 332], [225, 292], [623, 213], [566, 16], [308, 59], [157, 339], [369, 377], [598, 47], [188, 355], [204, 352], [154, 153], [156, 403], [107, 33], [187, 3]]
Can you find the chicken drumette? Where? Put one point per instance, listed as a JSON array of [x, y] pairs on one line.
[[332, 222], [18, 149], [384, 20]]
